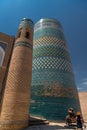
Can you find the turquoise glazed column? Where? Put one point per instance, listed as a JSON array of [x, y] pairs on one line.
[[53, 84]]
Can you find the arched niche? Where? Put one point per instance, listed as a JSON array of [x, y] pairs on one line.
[[3, 47]]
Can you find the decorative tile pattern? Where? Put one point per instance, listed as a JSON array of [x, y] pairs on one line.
[[52, 63], [49, 32], [53, 83], [51, 41]]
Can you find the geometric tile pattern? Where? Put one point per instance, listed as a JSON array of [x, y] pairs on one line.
[[53, 47], [45, 77], [49, 32], [52, 63], [52, 74], [49, 40]]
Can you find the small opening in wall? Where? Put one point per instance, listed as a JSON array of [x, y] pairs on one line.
[[27, 35]]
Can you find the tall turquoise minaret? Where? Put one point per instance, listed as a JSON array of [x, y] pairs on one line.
[[53, 84]]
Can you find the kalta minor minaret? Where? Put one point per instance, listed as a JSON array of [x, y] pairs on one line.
[[16, 98]]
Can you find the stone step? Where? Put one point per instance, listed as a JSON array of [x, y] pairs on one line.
[[37, 121]]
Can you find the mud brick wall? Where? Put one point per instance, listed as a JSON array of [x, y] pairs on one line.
[[83, 102], [9, 40]]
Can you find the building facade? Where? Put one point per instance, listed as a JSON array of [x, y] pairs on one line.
[[53, 84], [83, 102], [6, 48]]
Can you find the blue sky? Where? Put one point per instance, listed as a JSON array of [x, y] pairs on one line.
[[71, 13]]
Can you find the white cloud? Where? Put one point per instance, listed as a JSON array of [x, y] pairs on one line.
[[84, 79], [79, 88], [84, 83]]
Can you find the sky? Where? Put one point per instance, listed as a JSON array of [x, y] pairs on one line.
[[71, 13]]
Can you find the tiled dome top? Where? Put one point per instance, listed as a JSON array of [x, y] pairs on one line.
[[48, 20], [26, 22], [27, 19]]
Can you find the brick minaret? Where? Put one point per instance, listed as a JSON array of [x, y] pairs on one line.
[[16, 100]]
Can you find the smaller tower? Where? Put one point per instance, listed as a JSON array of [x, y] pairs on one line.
[[16, 100]]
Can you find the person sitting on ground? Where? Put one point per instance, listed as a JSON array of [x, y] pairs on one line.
[[71, 117], [71, 112]]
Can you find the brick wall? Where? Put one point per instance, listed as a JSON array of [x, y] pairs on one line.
[[83, 102], [9, 40]]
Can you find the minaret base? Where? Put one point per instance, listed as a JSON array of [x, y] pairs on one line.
[[15, 126]]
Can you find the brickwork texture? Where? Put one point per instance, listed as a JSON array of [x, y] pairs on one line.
[[83, 102], [16, 100]]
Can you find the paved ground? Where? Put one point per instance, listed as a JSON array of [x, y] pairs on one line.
[[53, 126]]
